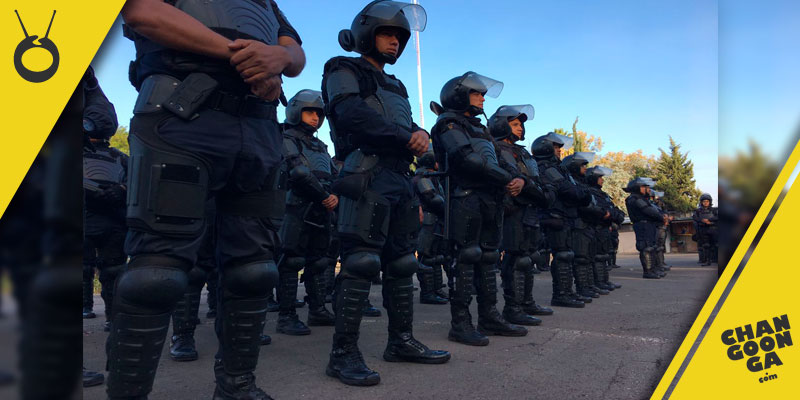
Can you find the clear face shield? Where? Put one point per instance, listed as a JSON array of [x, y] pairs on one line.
[[564, 141], [522, 112], [414, 13], [602, 171], [584, 156], [479, 83]]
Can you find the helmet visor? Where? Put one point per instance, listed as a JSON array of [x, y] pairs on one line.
[[656, 193], [522, 112], [564, 141], [309, 98], [647, 182], [479, 83], [602, 171], [414, 13], [584, 156]]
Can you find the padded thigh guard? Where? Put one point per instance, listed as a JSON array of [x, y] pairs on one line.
[[167, 188], [514, 234], [404, 227], [465, 228], [366, 219]]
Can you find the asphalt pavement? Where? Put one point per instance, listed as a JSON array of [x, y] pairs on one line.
[[616, 348]]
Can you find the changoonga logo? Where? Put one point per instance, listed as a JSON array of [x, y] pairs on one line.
[[29, 43], [760, 344]]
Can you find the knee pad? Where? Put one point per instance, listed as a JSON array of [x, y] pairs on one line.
[[196, 278], [250, 280], [564, 256], [154, 288], [362, 265], [522, 263], [490, 257], [470, 255], [402, 267], [291, 264]]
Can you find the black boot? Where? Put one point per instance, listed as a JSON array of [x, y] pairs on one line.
[[398, 299], [91, 378], [580, 271], [657, 267], [369, 310], [242, 323], [490, 322], [184, 321], [288, 322], [318, 315], [236, 387], [462, 330], [529, 306], [514, 271], [427, 286], [646, 259], [346, 362], [562, 282]]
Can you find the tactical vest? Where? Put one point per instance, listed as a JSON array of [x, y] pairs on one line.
[[382, 92], [480, 141], [636, 204], [551, 175], [314, 154], [234, 19]]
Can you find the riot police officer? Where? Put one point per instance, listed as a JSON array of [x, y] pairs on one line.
[[705, 218], [204, 127], [584, 239], [429, 249], [557, 220], [521, 231], [645, 218], [661, 232], [603, 228], [104, 173], [378, 222], [479, 182], [306, 229]]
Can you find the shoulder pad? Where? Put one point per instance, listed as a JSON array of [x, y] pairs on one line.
[[341, 81], [553, 175], [290, 147], [641, 203]]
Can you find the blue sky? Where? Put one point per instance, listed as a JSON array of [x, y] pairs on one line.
[[634, 71]]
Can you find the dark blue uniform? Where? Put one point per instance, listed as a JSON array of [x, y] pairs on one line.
[[198, 134]]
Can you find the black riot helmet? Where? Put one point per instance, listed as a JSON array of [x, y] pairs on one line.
[[382, 14], [542, 147], [455, 93], [304, 100], [596, 172], [634, 185], [576, 160], [706, 196], [498, 122]]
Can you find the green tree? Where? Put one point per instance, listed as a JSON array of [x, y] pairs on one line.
[[674, 174], [120, 139]]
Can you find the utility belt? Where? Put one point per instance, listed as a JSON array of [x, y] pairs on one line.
[[197, 92], [394, 163]]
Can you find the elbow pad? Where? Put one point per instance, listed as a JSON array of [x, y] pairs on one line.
[[304, 181], [437, 204], [473, 162], [497, 175]]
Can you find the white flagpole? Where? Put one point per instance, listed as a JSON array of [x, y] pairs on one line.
[[419, 77]]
